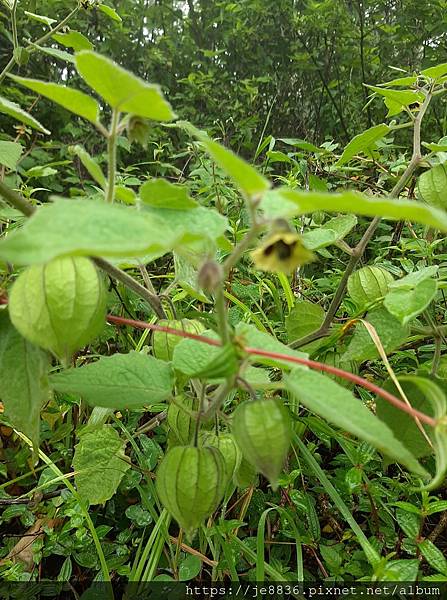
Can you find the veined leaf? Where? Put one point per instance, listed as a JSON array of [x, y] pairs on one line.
[[411, 295], [120, 381], [436, 396], [87, 228], [73, 39], [362, 142], [249, 335], [400, 97], [326, 398], [285, 202], [13, 110], [110, 12], [121, 89], [163, 194], [91, 165], [73, 100], [23, 373], [389, 329], [10, 153], [436, 71], [99, 463], [40, 18]]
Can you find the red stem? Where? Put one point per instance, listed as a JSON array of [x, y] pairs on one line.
[[312, 364]]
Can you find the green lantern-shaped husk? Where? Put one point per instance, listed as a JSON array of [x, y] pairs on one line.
[[180, 419], [60, 306], [368, 284], [163, 344], [190, 484], [229, 449], [263, 431]]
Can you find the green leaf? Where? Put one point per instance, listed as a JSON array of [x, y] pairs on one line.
[[403, 81], [162, 194], [285, 202], [304, 318], [55, 53], [441, 147], [23, 373], [401, 98], [90, 164], [197, 230], [99, 463], [252, 337], [404, 426], [435, 72], [245, 177], [10, 153], [40, 18], [319, 238], [329, 400], [110, 12], [40, 171], [432, 186], [391, 332], [73, 100], [198, 359], [121, 89], [436, 396], [73, 39], [13, 110], [411, 295], [331, 232], [302, 145], [433, 555], [342, 225], [86, 228], [362, 142], [120, 381]]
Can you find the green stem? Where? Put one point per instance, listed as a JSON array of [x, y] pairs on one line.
[[111, 151], [222, 315], [15, 39], [16, 200]]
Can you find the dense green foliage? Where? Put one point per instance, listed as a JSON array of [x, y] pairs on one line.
[[212, 169]]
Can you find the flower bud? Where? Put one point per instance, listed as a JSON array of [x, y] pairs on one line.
[[210, 276]]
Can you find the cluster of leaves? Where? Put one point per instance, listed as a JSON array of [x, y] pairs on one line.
[[117, 406]]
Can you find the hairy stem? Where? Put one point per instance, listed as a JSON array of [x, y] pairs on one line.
[[111, 150], [152, 299]]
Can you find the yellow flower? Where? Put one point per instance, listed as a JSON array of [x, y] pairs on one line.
[[282, 252]]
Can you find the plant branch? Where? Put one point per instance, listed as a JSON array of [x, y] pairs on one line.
[[312, 364], [32, 45], [111, 150], [152, 299], [16, 200], [358, 251]]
